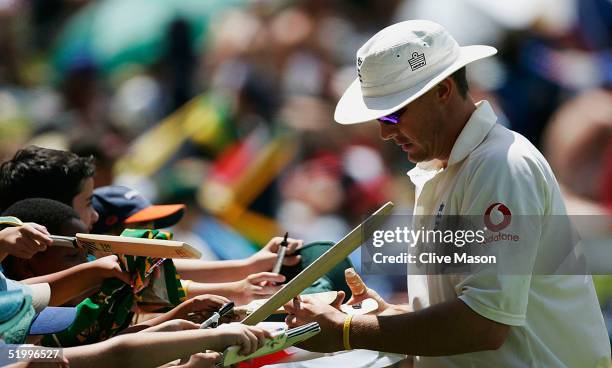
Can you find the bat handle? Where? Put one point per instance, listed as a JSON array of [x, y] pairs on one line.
[[64, 241]]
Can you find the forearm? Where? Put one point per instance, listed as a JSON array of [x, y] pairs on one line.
[[67, 284], [155, 321], [213, 271], [143, 350], [444, 329], [226, 289]]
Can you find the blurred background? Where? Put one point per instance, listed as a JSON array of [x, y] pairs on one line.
[[227, 105]]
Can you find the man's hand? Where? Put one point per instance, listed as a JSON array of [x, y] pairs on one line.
[[24, 241], [198, 308], [256, 286], [108, 267], [384, 308], [265, 258], [329, 318], [249, 338]]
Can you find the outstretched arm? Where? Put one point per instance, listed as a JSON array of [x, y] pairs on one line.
[[152, 349], [255, 286], [234, 270], [443, 329], [72, 282]]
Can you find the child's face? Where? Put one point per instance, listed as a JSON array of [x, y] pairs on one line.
[[56, 259], [83, 206]]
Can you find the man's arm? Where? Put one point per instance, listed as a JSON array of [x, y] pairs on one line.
[[444, 329]]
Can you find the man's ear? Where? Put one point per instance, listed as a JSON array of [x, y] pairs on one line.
[[445, 89]]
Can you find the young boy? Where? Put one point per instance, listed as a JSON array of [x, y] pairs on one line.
[[42, 172], [60, 219], [68, 179]]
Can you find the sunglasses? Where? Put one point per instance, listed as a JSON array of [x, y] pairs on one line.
[[393, 118]]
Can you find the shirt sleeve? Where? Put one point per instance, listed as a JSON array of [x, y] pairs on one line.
[[506, 190]]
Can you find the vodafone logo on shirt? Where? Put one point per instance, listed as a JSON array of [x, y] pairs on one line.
[[493, 214]]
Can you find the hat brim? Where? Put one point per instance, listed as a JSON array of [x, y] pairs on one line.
[[53, 320], [355, 108], [161, 215]]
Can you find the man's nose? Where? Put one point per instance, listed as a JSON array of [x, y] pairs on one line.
[[387, 131]]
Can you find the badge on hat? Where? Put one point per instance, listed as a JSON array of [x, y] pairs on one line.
[[417, 61]]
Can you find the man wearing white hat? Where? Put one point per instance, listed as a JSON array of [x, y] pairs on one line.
[[411, 78]]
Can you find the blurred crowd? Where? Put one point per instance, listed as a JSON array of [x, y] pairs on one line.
[[227, 106]]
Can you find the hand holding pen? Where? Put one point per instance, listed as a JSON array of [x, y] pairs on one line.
[[213, 321], [266, 259]]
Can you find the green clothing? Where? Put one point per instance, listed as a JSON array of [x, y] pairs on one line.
[[111, 310]]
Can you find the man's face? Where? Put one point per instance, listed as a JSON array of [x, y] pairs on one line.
[[83, 206], [418, 132]]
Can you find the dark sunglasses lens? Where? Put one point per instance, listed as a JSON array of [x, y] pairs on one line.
[[389, 119]]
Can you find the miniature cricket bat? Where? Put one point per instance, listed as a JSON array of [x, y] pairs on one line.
[[156, 248], [279, 341]]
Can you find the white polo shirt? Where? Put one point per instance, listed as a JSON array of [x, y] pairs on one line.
[[555, 320]]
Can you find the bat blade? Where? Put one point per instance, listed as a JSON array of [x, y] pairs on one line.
[[318, 268], [156, 248]]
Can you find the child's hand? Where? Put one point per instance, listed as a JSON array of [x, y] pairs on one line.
[[264, 259], [198, 308], [108, 267], [257, 286], [249, 338], [24, 241], [202, 360]]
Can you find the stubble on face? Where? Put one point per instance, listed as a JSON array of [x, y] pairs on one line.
[[419, 131]]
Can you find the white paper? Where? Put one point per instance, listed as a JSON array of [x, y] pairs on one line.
[[354, 358]]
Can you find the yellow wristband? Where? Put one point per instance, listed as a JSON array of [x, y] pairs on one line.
[[345, 332]]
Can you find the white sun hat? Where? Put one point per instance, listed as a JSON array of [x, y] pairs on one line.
[[399, 64]]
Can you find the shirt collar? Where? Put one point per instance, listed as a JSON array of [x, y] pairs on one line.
[[476, 129]]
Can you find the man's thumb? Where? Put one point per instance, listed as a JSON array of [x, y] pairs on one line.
[[339, 299]]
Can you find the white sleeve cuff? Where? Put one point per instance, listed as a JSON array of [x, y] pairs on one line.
[[493, 314]]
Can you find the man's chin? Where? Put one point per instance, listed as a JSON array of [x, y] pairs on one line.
[[415, 158]]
